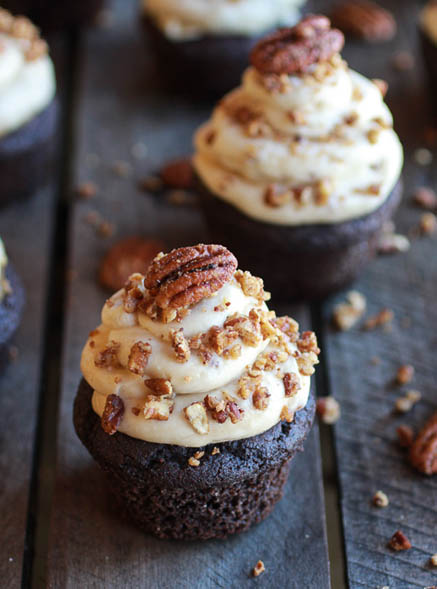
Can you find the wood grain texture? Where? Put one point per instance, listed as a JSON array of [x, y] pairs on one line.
[[90, 545], [368, 455]]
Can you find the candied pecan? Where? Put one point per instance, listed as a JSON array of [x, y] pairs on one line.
[[364, 19], [399, 541], [180, 345], [188, 274], [248, 330], [108, 358], [159, 386], [295, 50], [197, 417], [178, 173], [423, 451], [308, 342], [286, 414], [291, 384], [219, 339], [345, 315], [234, 411], [158, 407], [248, 384], [139, 357], [288, 326], [252, 286], [129, 255], [258, 568], [112, 414], [260, 398]]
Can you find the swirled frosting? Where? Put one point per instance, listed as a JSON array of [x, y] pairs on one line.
[[3, 264], [27, 78], [260, 377], [299, 149], [428, 20], [190, 19]]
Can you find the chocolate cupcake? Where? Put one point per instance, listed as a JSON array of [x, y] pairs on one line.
[[28, 108], [202, 45], [428, 36], [11, 303], [53, 15], [299, 167], [195, 396]]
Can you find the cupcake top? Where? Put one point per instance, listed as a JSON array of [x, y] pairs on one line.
[[189, 354], [27, 78], [428, 19], [191, 19], [304, 139], [4, 284]]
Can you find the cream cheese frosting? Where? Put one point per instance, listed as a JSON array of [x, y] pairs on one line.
[[428, 20], [27, 81], [3, 265], [259, 364], [322, 141], [191, 19]]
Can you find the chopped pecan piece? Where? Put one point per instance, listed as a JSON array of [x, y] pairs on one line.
[[159, 386], [180, 345], [248, 384], [258, 569], [216, 407], [286, 414], [423, 451], [306, 363], [399, 541], [346, 315], [215, 451], [404, 374], [133, 292], [192, 461], [233, 352], [382, 86], [308, 342], [158, 407], [108, 358], [428, 224], [112, 414], [220, 339], [295, 50], [291, 384], [328, 410], [380, 499], [249, 331], [274, 197], [139, 357], [234, 412], [260, 398], [288, 326], [364, 19], [426, 198], [433, 560], [189, 274], [382, 318], [252, 286], [197, 417]]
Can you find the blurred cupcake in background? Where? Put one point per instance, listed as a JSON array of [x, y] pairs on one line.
[[299, 166], [11, 303], [204, 44], [28, 108], [428, 35]]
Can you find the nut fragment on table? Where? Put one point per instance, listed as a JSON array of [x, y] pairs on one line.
[[347, 314], [425, 197], [380, 499], [423, 451], [328, 409], [404, 374], [258, 569], [405, 436], [364, 19], [383, 317]]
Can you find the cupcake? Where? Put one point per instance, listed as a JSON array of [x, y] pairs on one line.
[[204, 44], [28, 108], [195, 396], [11, 303], [428, 35], [298, 168], [54, 15]]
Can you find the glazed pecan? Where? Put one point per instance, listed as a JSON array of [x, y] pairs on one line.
[[260, 398], [188, 274], [423, 451], [295, 50], [291, 384], [158, 408], [180, 345], [159, 386], [139, 357], [108, 358], [364, 19], [112, 414]]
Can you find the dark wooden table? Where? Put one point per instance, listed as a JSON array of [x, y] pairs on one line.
[[59, 525]]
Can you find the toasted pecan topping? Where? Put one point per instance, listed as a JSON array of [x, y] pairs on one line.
[[291, 384], [308, 342], [108, 358], [189, 274], [286, 414], [158, 408], [197, 417], [295, 50], [260, 398], [288, 326], [139, 357], [159, 386], [423, 451], [252, 286], [180, 345], [112, 414]]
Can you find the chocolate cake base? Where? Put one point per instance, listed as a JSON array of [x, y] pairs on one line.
[[11, 310], [163, 495], [306, 262], [53, 14], [429, 49], [26, 155], [211, 65]]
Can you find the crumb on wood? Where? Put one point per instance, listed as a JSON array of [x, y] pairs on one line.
[[380, 499], [258, 569]]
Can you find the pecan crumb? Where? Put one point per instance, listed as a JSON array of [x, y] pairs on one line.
[[215, 451], [399, 541], [158, 407], [291, 384], [108, 358], [346, 315], [405, 436], [159, 386], [86, 190], [286, 414], [380, 499], [404, 374], [180, 345], [112, 414], [193, 461], [260, 398], [199, 454], [258, 568], [197, 417], [433, 560], [425, 197], [382, 318], [139, 357], [328, 410]]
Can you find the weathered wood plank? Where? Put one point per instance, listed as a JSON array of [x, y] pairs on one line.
[[90, 545], [368, 456]]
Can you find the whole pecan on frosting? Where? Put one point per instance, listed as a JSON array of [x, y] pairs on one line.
[[294, 50], [188, 274]]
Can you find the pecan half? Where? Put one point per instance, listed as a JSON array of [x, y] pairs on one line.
[[423, 451], [364, 19], [188, 274], [294, 50], [112, 414]]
